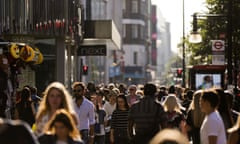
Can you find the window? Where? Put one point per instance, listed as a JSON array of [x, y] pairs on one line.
[[134, 6], [124, 5], [134, 31], [142, 32], [135, 57], [124, 31], [143, 8]]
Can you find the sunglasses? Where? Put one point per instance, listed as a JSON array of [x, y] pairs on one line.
[[78, 90]]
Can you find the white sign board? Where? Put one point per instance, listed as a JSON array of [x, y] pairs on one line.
[[218, 45], [218, 59]]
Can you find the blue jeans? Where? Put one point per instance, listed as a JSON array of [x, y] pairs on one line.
[[84, 134]]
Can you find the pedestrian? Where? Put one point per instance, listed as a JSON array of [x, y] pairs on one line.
[[224, 109], [35, 98], [25, 108], [132, 97], [119, 122], [61, 129], [85, 111], [109, 107], [16, 132], [100, 119], [212, 129], [169, 136], [55, 97], [146, 116], [194, 118], [175, 117], [234, 137]]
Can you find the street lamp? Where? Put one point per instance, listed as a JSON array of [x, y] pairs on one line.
[[195, 37]]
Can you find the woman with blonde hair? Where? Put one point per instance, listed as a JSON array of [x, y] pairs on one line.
[[55, 97], [61, 129], [175, 117], [195, 118]]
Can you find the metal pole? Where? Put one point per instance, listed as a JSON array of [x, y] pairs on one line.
[[183, 48], [229, 48]]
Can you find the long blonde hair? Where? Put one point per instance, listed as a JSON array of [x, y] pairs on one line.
[[67, 102], [66, 119], [197, 114], [171, 104]]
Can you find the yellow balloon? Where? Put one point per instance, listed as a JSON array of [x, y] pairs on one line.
[[27, 53], [15, 51]]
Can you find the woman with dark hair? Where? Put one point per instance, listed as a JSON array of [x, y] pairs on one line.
[[61, 129], [25, 108], [16, 132], [224, 109], [119, 122]]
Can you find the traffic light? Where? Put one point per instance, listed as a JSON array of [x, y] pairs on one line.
[[179, 73], [85, 70]]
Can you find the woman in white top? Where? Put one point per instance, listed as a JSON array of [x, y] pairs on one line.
[[55, 97], [212, 129]]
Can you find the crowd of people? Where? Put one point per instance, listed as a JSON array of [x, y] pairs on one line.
[[121, 114]]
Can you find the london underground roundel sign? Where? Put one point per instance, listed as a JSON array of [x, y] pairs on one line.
[[218, 45]]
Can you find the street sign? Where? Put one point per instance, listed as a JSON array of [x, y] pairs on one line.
[[218, 45], [92, 50], [218, 59]]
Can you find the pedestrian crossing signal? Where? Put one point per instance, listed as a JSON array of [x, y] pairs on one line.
[[85, 70]]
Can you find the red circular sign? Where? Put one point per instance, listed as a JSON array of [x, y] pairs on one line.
[[218, 45]]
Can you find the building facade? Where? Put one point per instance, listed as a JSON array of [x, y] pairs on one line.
[[58, 28], [136, 39]]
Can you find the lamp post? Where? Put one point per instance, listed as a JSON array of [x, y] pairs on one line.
[[183, 47], [195, 37]]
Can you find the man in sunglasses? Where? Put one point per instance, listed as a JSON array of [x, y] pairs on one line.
[[85, 111]]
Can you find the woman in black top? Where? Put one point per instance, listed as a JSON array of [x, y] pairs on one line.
[[25, 108], [119, 122]]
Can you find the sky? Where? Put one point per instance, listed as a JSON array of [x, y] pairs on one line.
[[172, 11]]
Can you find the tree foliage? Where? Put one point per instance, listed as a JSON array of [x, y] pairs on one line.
[[213, 28]]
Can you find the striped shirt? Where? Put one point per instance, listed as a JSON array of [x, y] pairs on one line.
[[119, 119], [146, 114]]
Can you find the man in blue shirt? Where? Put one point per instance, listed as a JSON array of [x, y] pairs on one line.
[[85, 111]]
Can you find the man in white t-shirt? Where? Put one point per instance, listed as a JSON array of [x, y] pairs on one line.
[[212, 129]]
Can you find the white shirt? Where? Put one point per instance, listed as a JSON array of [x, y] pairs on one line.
[[109, 108], [41, 124], [213, 126], [86, 114]]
